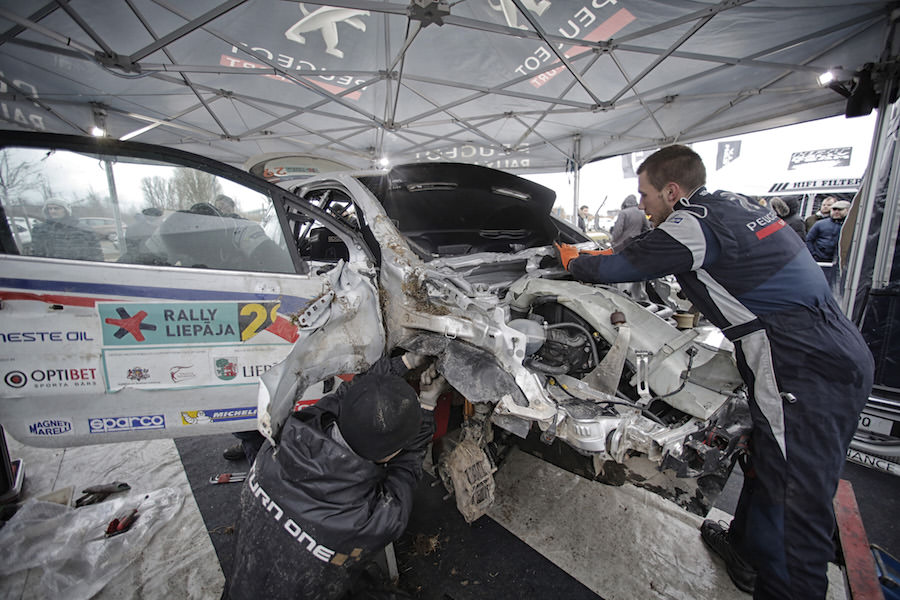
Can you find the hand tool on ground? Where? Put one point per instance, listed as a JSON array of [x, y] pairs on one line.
[[98, 493], [124, 521], [227, 478]]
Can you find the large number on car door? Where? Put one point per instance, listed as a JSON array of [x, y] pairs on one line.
[[154, 289]]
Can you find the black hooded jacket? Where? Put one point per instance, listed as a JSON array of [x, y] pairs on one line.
[[793, 217], [630, 223], [313, 510], [65, 238]]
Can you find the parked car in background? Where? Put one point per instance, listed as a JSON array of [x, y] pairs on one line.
[[21, 229], [103, 227]]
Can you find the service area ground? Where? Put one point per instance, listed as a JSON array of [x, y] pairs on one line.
[[550, 534]]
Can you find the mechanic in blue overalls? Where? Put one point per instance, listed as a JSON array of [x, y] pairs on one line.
[[807, 369]]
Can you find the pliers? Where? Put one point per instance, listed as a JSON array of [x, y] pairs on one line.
[[98, 493]]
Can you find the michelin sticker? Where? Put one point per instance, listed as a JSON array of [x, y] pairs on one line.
[[206, 417]]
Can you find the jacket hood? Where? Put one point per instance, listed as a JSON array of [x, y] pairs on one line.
[[319, 465], [793, 205]]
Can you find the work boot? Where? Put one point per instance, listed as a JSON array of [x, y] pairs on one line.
[[715, 535], [235, 452]]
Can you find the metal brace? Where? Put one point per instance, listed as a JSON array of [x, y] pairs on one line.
[[549, 435], [309, 316], [642, 358]]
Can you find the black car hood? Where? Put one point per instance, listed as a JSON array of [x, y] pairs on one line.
[[455, 208]]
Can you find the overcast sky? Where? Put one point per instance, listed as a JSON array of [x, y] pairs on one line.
[[764, 159]]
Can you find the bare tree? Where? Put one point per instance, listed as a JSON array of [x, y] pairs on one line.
[[17, 177], [93, 202], [192, 186], [159, 192]]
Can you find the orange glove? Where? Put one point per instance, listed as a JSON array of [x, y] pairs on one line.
[[607, 252], [566, 253]]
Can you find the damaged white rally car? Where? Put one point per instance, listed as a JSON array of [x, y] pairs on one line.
[[206, 318]]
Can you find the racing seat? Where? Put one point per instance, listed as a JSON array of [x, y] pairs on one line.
[[325, 246]]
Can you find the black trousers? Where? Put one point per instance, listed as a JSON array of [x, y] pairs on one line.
[[784, 521]]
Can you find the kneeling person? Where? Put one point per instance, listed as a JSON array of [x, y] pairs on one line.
[[337, 488]]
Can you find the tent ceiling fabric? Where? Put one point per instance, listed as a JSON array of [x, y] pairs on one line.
[[532, 85]]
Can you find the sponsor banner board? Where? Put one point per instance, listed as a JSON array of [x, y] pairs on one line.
[[188, 323], [168, 368]]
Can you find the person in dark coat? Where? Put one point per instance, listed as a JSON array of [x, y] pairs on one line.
[[630, 223], [337, 488], [822, 239], [584, 214], [61, 236], [823, 213], [787, 209], [751, 276]]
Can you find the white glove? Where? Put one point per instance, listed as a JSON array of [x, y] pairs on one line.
[[413, 360], [431, 385]]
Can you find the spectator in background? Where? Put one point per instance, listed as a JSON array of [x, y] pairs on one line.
[[823, 238], [630, 223], [824, 211], [61, 236], [584, 213], [787, 210], [225, 205]]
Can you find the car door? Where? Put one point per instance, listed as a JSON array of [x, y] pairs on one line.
[[163, 329]]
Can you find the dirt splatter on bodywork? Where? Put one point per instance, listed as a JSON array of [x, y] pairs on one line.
[[511, 331]]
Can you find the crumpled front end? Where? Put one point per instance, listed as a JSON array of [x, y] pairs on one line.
[[341, 331], [581, 365]]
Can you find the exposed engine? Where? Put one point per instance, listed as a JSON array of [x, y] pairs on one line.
[[629, 395]]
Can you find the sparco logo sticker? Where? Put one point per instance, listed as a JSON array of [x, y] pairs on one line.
[[50, 427], [114, 424]]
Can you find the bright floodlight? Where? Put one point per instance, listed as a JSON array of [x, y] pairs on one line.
[[383, 162], [826, 78], [97, 131]]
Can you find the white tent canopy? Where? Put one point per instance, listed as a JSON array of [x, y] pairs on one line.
[[530, 85]]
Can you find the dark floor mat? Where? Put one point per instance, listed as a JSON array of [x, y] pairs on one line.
[[439, 557]]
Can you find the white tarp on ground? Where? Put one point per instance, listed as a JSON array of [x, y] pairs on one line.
[[179, 560], [624, 543], [515, 84]]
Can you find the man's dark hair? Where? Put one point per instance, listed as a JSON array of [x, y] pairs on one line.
[[678, 164]]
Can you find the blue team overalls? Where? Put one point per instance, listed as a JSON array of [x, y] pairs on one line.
[[807, 369]]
